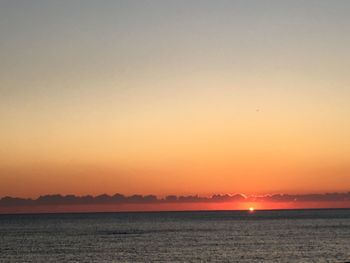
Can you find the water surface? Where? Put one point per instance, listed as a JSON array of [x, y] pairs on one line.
[[210, 236]]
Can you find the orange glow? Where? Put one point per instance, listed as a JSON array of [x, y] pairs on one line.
[[226, 104], [174, 207]]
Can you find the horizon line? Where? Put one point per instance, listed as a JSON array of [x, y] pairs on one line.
[[118, 198]]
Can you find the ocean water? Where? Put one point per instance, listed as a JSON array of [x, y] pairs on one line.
[[215, 236]]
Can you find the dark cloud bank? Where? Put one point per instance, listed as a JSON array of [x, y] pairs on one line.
[[58, 199]]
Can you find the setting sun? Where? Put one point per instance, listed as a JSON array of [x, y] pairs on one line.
[[175, 131]]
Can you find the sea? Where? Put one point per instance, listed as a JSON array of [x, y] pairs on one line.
[[200, 236]]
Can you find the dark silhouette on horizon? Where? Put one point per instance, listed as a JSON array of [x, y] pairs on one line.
[[58, 199]]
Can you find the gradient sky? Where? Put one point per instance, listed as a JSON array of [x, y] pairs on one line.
[[174, 97]]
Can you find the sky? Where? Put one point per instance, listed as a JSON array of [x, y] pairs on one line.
[[174, 97]]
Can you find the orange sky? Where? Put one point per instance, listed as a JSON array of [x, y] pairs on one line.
[[174, 98]]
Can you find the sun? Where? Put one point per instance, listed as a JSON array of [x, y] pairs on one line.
[[251, 209]]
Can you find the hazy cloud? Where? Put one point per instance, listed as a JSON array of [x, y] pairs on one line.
[[57, 199]]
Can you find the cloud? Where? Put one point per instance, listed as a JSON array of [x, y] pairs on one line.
[[327, 197], [57, 199]]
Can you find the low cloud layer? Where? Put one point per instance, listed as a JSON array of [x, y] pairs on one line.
[[58, 199]]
